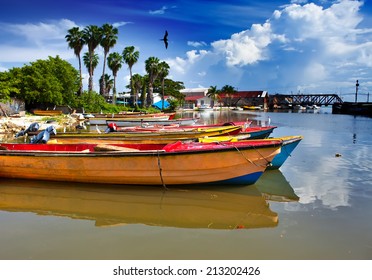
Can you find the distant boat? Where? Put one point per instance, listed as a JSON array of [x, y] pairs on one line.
[[252, 108], [178, 163], [47, 112], [205, 108]]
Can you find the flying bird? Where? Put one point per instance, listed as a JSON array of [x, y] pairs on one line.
[[165, 39]]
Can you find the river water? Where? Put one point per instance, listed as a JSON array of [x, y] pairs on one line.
[[317, 206]]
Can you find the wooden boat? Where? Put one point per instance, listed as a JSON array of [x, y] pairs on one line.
[[47, 112], [131, 115], [139, 164], [151, 122], [289, 144], [108, 205], [178, 134], [252, 107], [131, 119]]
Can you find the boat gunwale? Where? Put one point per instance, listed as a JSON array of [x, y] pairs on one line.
[[223, 147]]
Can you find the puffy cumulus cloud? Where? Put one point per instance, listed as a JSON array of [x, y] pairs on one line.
[[246, 47], [182, 65], [311, 21]]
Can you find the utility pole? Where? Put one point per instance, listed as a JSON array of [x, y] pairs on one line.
[[356, 91]]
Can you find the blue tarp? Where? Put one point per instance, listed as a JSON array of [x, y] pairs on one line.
[[159, 104]]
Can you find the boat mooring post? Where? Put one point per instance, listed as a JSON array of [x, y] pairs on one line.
[[356, 91]]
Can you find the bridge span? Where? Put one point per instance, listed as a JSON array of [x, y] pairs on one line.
[[306, 99]]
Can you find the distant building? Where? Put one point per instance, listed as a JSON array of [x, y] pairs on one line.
[[196, 97]]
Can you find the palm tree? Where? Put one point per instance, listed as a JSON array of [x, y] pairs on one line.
[[114, 62], [152, 69], [109, 83], [163, 73], [109, 37], [75, 41], [92, 36], [213, 93], [90, 63], [130, 57], [137, 82], [229, 91]]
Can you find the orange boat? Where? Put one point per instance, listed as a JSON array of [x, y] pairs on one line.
[[140, 164]]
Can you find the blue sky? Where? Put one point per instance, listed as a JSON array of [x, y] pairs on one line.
[[279, 46]]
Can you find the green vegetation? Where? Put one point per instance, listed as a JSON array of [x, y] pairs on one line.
[[56, 82]]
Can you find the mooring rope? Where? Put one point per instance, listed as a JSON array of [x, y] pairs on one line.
[[160, 172], [247, 159]]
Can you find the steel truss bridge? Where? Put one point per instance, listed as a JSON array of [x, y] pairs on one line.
[[310, 99]]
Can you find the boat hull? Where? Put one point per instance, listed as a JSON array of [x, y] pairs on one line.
[[179, 164], [289, 144]]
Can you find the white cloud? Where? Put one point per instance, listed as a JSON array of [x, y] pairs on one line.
[[246, 47], [182, 65], [160, 11], [43, 40], [196, 44]]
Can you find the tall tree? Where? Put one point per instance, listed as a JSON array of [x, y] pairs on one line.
[[114, 62], [75, 41], [137, 83], [163, 73], [131, 56], [109, 38], [109, 83], [91, 63], [152, 69], [92, 36]]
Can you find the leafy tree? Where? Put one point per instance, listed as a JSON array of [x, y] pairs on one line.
[[152, 69], [130, 56], [8, 84], [109, 38], [114, 63], [76, 42], [53, 81], [92, 36]]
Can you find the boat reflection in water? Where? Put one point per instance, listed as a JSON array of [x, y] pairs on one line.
[[213, 208], [275, 187]]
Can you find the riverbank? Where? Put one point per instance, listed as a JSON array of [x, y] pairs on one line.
[[12, 125]]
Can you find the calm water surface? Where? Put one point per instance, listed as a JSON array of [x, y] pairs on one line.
[[317, 206]]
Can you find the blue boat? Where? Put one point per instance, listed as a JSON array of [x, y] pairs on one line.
[[289, 144]]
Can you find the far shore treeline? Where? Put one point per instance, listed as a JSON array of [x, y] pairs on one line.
[[55, 81]]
